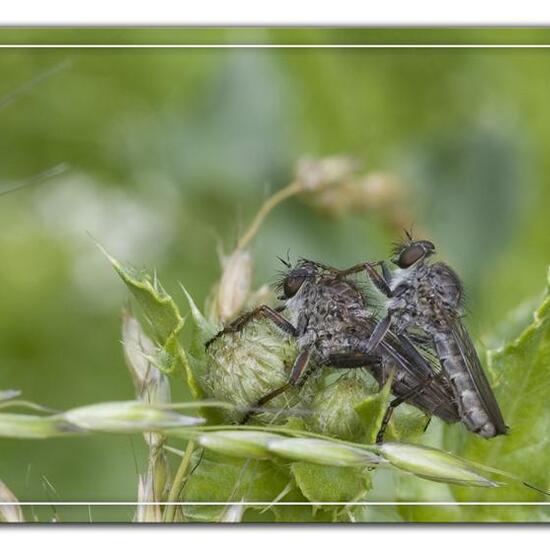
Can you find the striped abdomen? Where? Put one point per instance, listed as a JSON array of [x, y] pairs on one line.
[[475, 399]]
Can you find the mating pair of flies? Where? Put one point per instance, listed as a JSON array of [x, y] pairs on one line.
[[420, 341]]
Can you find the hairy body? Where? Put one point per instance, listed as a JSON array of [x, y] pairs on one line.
[[330, 317], [425, 303]]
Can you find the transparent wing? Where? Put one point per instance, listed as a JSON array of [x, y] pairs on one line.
[[417, 367]]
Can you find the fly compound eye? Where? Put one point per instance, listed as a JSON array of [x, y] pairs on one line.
[[292, 285], [410, 255]]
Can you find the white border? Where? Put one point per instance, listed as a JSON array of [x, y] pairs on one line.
[[274, 46], [282, 12]]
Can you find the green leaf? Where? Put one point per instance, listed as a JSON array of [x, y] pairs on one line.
[[519, 373], [371, 411], [202, 329], [300, 514], [407, 424], [224, 479], [330, 483], [163, 314], [158, 306]]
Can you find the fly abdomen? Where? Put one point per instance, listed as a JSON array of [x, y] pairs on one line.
[[470, 403]]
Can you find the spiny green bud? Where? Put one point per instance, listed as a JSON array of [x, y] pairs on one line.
[[434, 465], [240, 444], [242, 367], [317, 451], [333, 408]]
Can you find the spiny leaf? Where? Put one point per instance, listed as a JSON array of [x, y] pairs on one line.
[[203, 330], [158, 306], [520, 375], [163, 314]]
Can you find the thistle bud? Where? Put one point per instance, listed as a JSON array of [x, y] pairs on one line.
[[234, 287], [435, 465], [333, 408], [242, 367], [10, 511]]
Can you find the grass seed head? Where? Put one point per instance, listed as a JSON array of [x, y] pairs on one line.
[[319, 451], [239, 443], [128, 417], [435, 465]]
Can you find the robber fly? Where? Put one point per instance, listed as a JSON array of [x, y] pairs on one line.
[[331, 319], [425, 303]]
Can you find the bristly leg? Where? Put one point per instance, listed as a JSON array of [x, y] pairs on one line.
[[378, 334], [381, 282], [395, 403], [262, 312]]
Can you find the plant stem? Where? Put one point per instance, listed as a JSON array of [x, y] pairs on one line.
[[291, 189], [177, 484]]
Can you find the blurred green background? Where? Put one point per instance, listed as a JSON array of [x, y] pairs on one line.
[[167, 152]]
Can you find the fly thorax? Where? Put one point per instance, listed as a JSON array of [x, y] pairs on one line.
[[446, 287], [405, 305]]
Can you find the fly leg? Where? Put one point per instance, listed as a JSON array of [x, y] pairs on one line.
[[394, 403], [262, 312], [378, 334], [297, 378], [386, 273], [381, 282]]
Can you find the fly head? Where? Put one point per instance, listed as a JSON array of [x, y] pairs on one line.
[[412, 252]]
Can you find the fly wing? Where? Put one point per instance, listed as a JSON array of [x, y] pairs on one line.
[[414, 369], [475, 371]]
